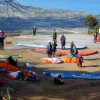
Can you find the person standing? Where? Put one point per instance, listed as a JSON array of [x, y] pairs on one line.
[[95, 37], [54, 36], [34, 30], [63, 41], [53, 43], [73, 49], [49, 49], [2, 37]]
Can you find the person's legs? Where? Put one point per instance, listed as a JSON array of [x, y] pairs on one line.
[[62, 46], [48, 54], [53, 53], [34, 32], [80, 63], [94, 40], [2, 44], [77, 62]]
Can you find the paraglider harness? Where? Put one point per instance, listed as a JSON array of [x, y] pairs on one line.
[[12, 61], [59, 80]]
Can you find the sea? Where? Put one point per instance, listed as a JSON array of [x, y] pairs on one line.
[[88, 6]]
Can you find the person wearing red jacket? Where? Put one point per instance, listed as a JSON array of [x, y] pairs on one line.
[[79, 60]]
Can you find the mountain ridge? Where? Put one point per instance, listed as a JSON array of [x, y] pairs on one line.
[[15, 20]]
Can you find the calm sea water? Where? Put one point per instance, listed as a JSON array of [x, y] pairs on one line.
[[89, 6]]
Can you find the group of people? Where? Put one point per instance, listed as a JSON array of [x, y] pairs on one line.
[[62, 39], [51, 45], [51, 48], [73, 49]]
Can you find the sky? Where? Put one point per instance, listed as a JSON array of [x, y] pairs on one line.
[[89, 6]]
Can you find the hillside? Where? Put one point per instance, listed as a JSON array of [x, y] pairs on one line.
[[23, 18]]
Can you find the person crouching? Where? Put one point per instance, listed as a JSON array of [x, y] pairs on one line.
[[79, 60]]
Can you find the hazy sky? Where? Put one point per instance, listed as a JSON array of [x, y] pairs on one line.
[[90, 6]]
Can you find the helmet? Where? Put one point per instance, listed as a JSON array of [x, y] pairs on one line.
[[71, 42], [49, 41]]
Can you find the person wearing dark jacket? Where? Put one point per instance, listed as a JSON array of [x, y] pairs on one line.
[[63, 41], [2, 37], [53, 43], [54, 36], [95, 37], [73, 49], [34, 30]]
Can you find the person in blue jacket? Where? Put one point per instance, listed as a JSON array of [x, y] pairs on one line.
[[49, 49]]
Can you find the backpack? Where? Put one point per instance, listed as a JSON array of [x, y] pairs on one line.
[[58, 81], [53, 45], [12, 61]]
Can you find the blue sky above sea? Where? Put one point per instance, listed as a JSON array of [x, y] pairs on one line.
[[89, 6]]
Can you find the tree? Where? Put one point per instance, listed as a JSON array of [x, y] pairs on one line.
[[96, 28], [91, 22]]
